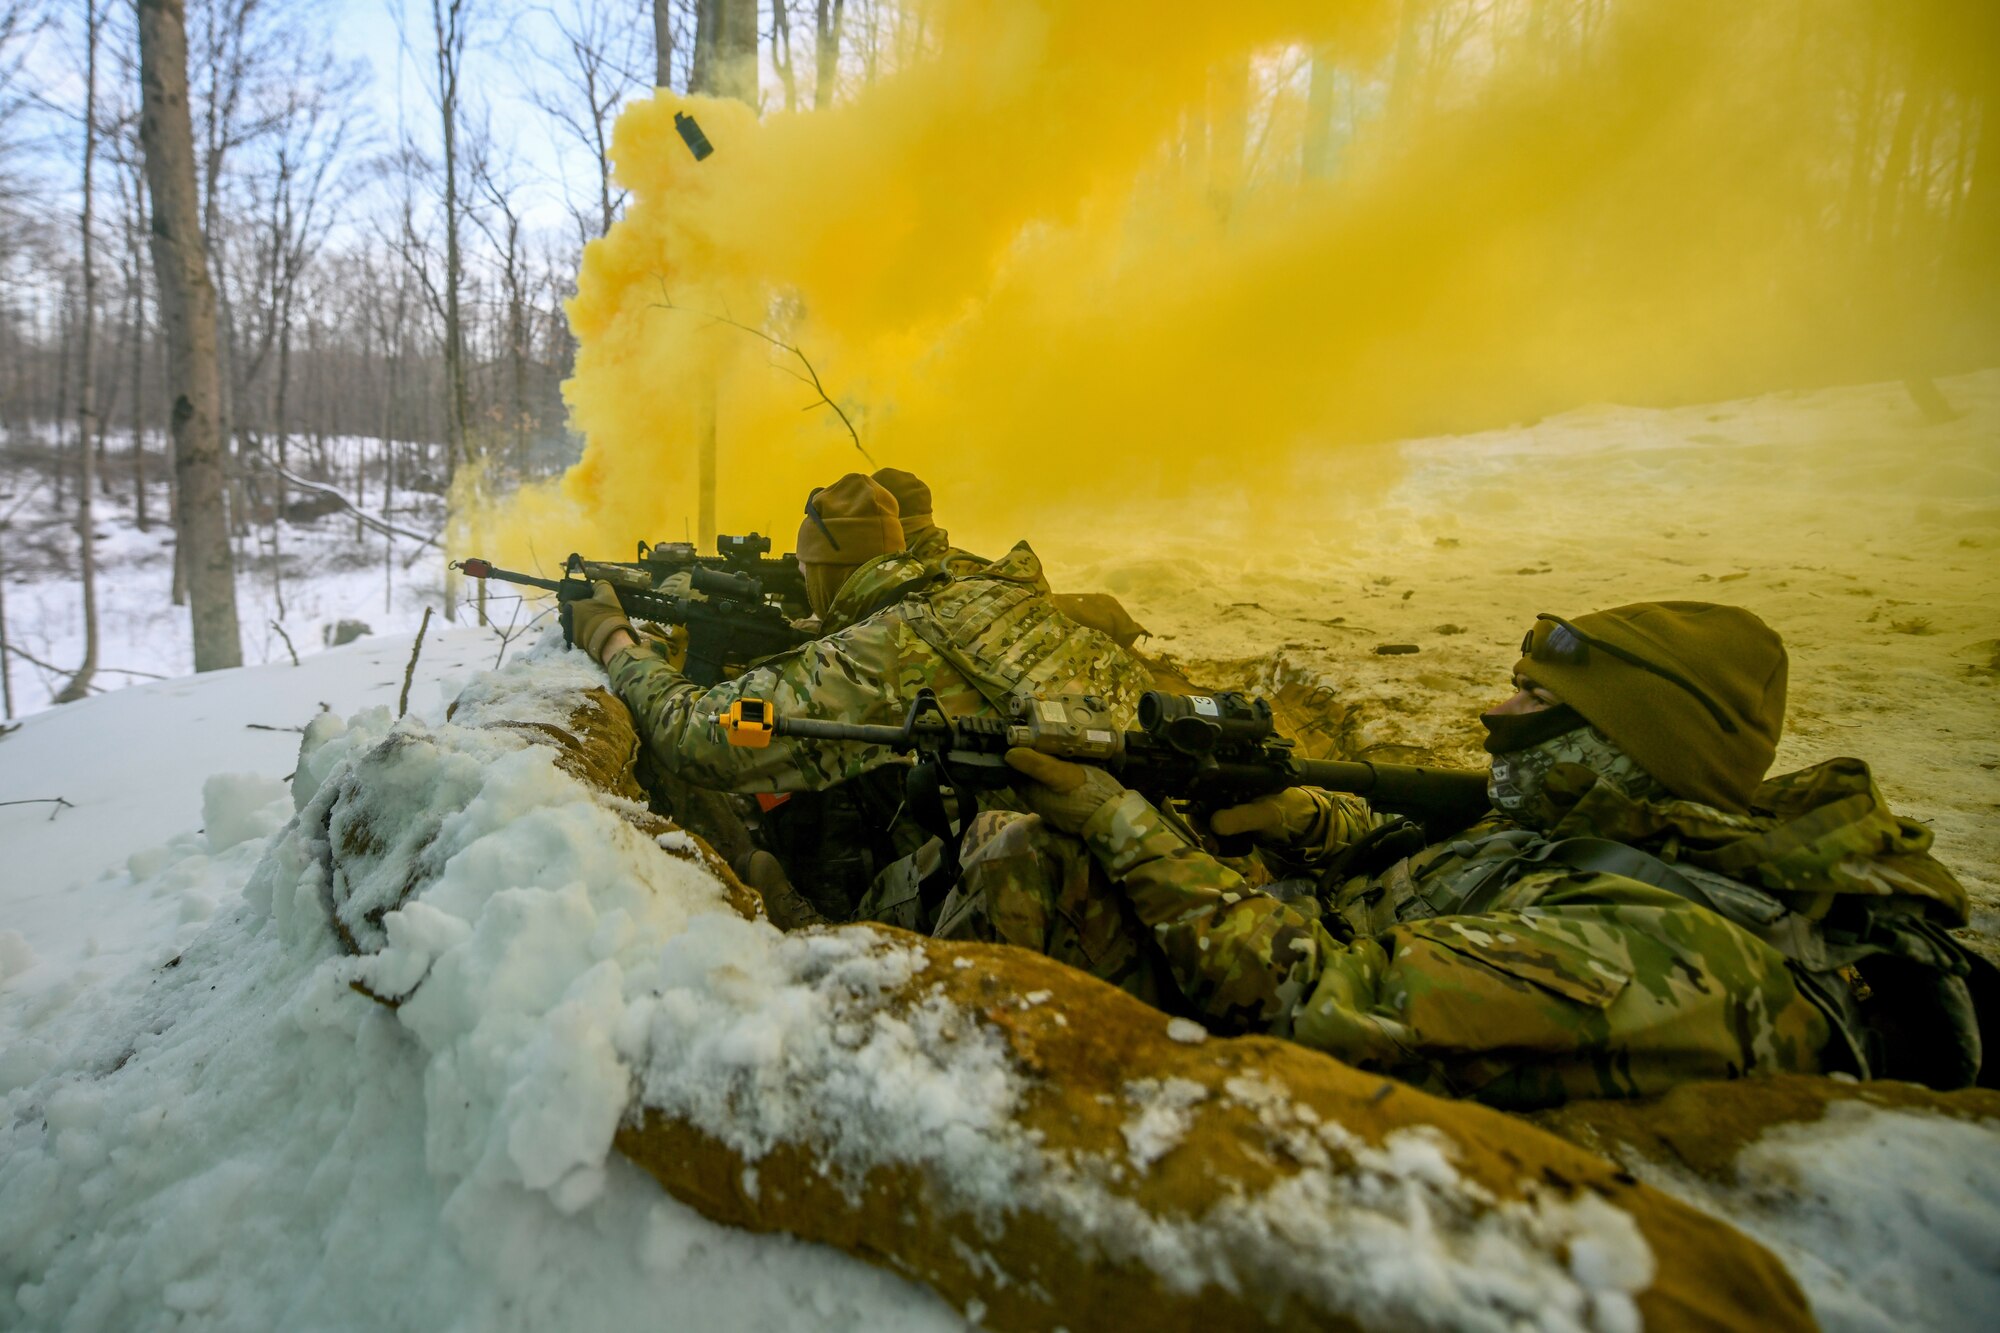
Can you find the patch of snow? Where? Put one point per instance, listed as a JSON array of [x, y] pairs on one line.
[[1186, 1031], [759, 1038], [1889, 1219], [237, 807], [1165, 1115]]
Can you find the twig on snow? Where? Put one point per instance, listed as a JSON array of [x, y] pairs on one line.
[[265, 726], [288, 642], [58, 802], [508, 635], [410, 671]]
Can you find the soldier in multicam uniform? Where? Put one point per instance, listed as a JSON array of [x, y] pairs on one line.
[[1639, 910], [891, 625], [928, 542], [923, 539]]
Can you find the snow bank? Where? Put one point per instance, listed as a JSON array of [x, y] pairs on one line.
[[842, 1044], [1889, 1218], [236, 1137]]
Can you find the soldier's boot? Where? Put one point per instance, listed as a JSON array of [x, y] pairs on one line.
[[785, 906]]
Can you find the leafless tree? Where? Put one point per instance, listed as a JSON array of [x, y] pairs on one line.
[[187, 313], [725, 49], [828, 16], [86, 398], [450, 33], [600, 63]]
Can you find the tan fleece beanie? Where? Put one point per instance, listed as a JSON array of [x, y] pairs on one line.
[[913, 501], [1727, 654], [849, 523]]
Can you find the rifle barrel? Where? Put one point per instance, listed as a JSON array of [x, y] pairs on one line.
[[486, 569], [1403, 788], [815, 730]]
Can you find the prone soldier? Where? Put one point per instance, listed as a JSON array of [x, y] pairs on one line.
[[890, 625], [1640, 908]]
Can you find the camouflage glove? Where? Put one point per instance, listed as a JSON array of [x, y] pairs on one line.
[[1279, 820], [591, 624], [1065, 795]]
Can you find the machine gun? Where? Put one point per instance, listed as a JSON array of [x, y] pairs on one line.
[[1203, 752], [733, 622]]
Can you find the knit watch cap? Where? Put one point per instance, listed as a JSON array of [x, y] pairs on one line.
[[913, 500], [849, 523], [1708, 737]]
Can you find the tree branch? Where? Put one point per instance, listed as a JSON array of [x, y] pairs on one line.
[[811, 377], [380, 525]]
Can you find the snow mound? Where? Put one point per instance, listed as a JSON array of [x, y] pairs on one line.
[[239, 1138], [1889, 1218]]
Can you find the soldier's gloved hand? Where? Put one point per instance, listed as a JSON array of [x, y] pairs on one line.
[[1279, 820], [1066, 795], [593, 622]]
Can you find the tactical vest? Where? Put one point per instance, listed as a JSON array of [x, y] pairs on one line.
[[999, 630], [1823, 873], [995, 628]]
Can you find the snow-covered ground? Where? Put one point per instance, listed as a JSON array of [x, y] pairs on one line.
[[324, 570], [202, 1125]]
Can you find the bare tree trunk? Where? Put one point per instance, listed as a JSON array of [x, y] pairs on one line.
[[725, 64], [448, 26], [781, 52], [663, 43], [138, 386], [6, 662], [62, 391], [86, 398], [725, 49], [187, 315], [826, 50], [1317, 163]]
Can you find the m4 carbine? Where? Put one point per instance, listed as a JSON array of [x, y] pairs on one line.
[[1203, 752], [733, 621], [778, 578]]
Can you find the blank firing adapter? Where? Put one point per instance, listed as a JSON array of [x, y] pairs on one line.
[[749, 723]]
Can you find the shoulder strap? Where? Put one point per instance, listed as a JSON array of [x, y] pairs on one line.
[[994, 681]]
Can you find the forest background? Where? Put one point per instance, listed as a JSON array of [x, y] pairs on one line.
[[394, 199]]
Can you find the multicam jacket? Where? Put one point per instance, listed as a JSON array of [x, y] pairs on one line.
[[934, 548], [895, 627], [1638, 944]]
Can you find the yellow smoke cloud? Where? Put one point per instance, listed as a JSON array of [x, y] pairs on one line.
[[1072, 252]]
